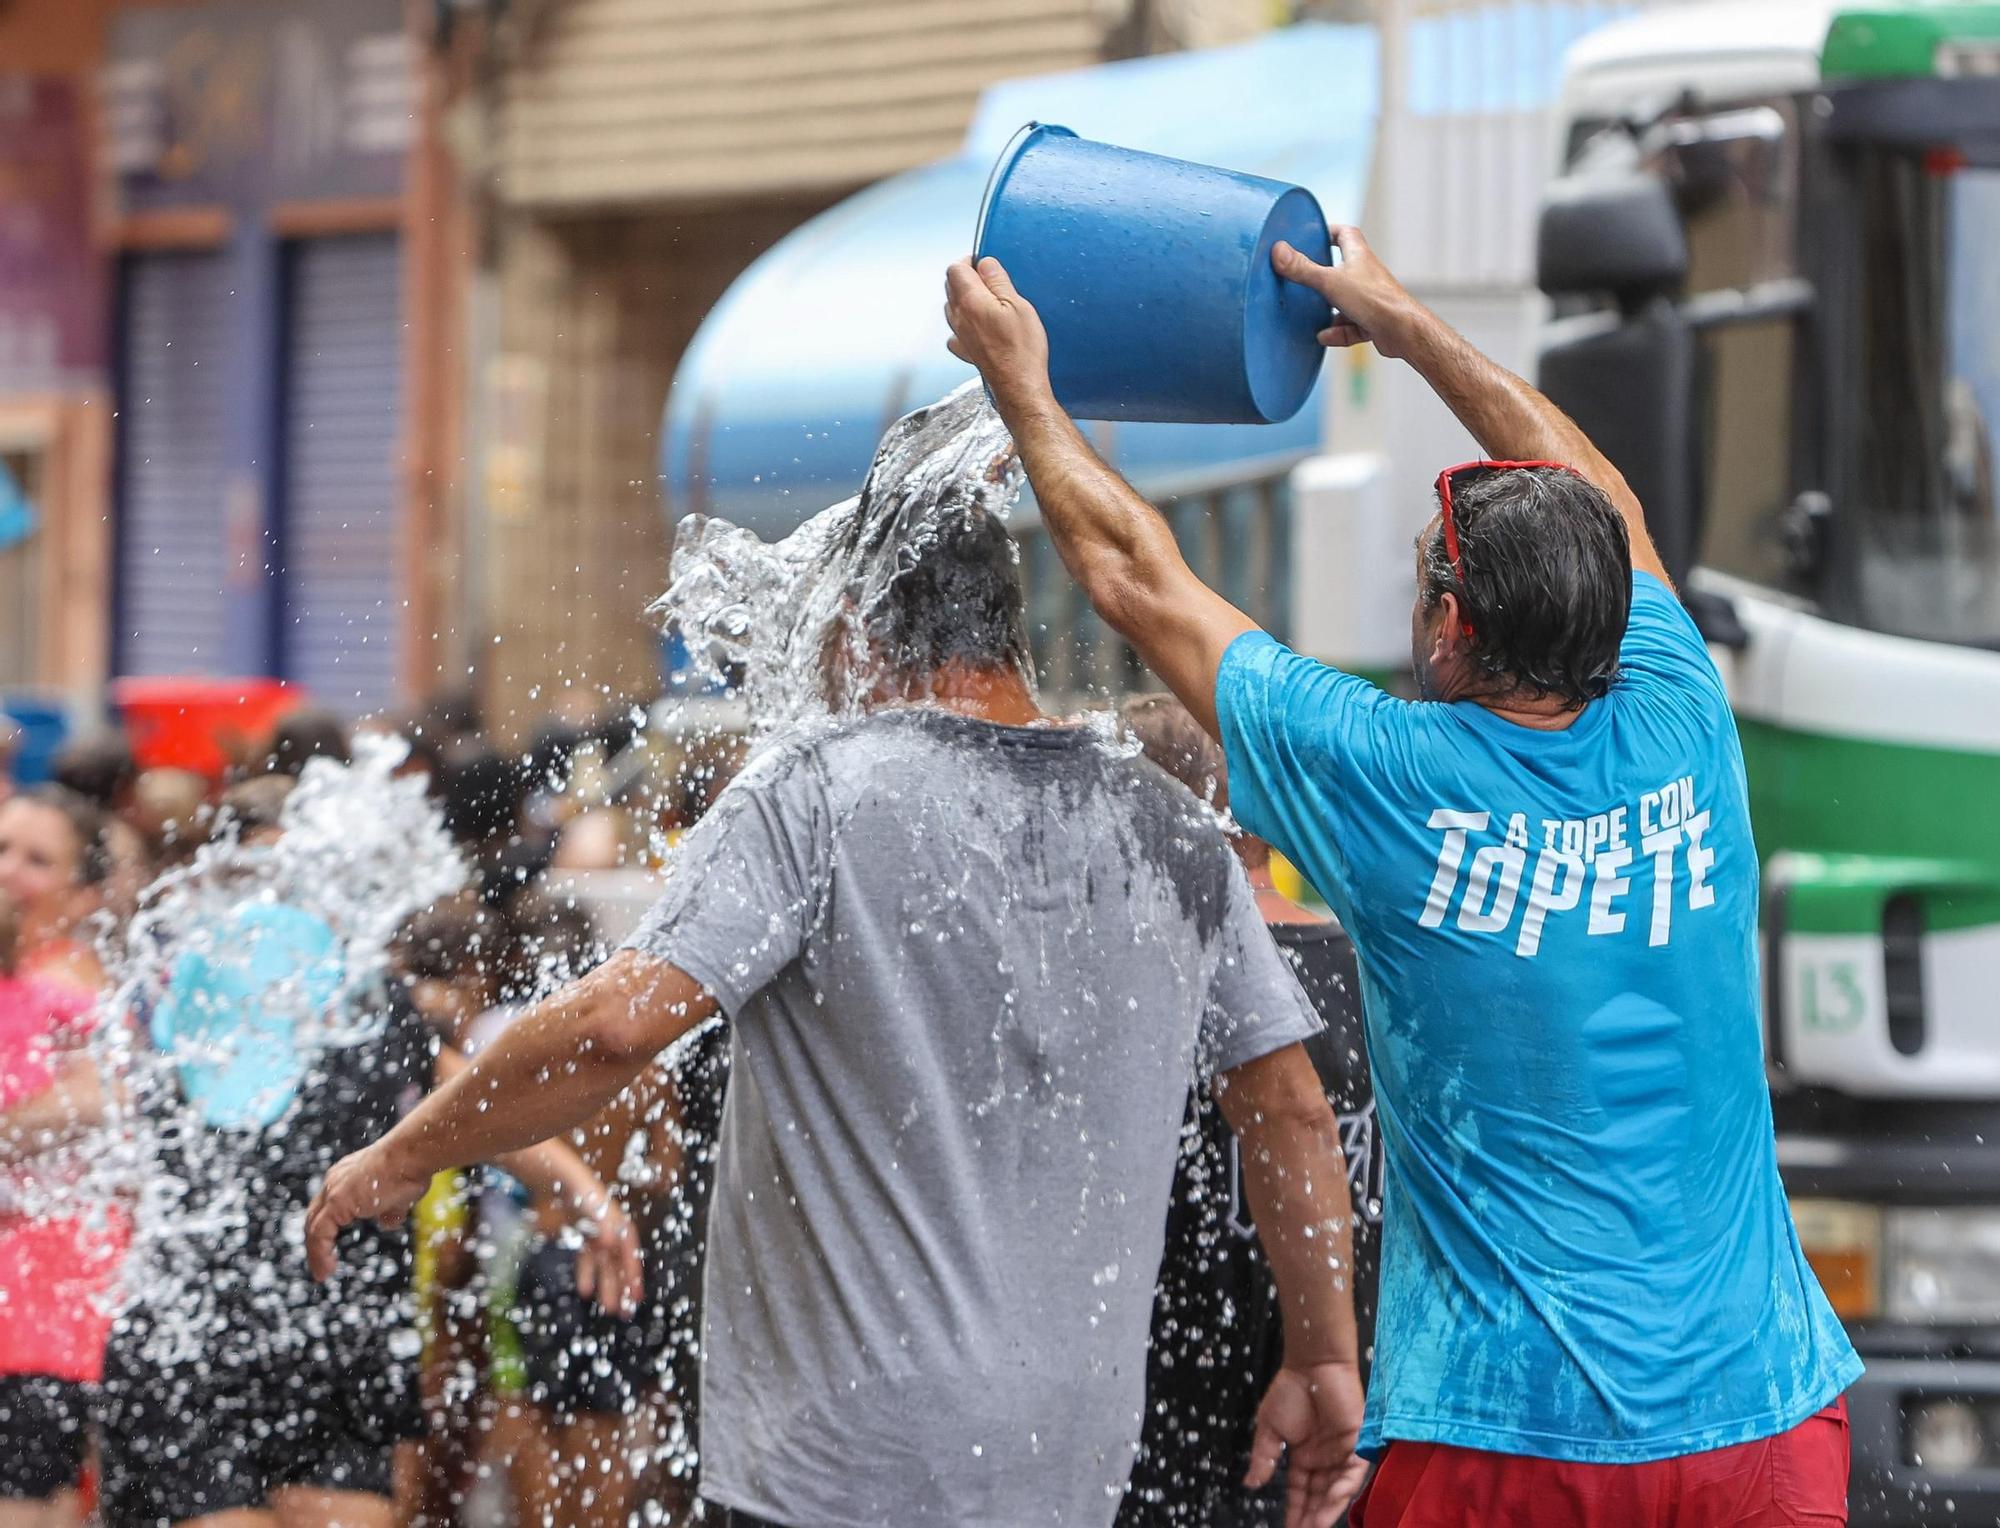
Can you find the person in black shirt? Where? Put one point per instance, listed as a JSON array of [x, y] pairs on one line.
[[1217, 1337]]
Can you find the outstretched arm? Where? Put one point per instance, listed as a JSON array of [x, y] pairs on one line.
[[1509, 418], [1115, 545], [547, 1073], [1295, 1176], [607, 1263]]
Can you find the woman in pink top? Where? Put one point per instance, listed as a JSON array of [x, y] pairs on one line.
[[55, 1273]]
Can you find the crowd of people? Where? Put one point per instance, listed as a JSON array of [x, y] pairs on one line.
[[474, 1379], [973, 1132], [487, 1369]]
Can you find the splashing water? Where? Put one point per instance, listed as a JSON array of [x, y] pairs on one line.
[[793, 623], [359, 850], [238, 976]]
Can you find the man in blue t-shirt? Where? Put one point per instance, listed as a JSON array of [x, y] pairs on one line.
[[1547, 867]]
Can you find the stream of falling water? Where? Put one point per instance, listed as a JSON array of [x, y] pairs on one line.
[[237, 978], [787, 623]]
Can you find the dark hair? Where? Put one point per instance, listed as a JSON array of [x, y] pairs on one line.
[[546, 932], [1169, 735], [258, 805], [1547, 584], [426, 751], [306, 735], [503, 867], [87, 824], [481, 793], [955, 596], [548, 760], [100, 769]]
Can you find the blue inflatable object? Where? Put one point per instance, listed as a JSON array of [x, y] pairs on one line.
[[1153, 277], [236, 1017]]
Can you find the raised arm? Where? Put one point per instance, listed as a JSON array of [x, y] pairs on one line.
[[550, 1070], [1115, 545], [1296, 1179], [1509, 418]]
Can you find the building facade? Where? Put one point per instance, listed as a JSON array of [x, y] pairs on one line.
[[227, 391], [635, 157], [257, 163]]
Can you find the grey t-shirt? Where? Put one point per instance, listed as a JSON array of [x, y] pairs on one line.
[[971, 971]]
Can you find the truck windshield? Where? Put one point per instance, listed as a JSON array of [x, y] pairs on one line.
[[1927, 521]]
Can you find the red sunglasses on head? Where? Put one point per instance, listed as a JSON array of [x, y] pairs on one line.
[[1447, 478]]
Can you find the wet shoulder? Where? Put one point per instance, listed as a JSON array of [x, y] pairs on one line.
[[1077, 772]]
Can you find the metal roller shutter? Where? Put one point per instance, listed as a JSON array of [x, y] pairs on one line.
[[343, 584], [172, 454]]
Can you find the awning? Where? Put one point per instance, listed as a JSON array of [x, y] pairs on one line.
[[839, 328]]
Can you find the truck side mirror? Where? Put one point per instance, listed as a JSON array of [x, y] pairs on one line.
[[1628, 379], [1613, 232]]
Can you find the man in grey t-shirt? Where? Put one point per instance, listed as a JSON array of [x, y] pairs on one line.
[[971, 969], [971, 961]]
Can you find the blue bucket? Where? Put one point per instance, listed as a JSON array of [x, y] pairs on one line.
[[1153, 277]]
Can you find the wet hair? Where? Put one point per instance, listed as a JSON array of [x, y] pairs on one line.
[[1168, 734], [87, 825], [257, 806], [306, 735], [955, 597], [547, 934], [100, 769], [1547, 584]]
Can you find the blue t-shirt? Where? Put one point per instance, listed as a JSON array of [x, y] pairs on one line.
[[1588, 1253]]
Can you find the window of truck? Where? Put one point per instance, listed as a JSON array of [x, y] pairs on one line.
[[1926, 560]]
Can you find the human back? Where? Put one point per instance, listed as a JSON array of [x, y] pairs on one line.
[[1558, 939], [961, 1068]]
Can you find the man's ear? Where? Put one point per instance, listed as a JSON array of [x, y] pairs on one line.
[[1448, 639]]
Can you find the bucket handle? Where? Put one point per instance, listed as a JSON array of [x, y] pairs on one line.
[[1000, 162]]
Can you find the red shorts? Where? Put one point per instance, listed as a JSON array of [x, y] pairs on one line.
[[1795, 1480]]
